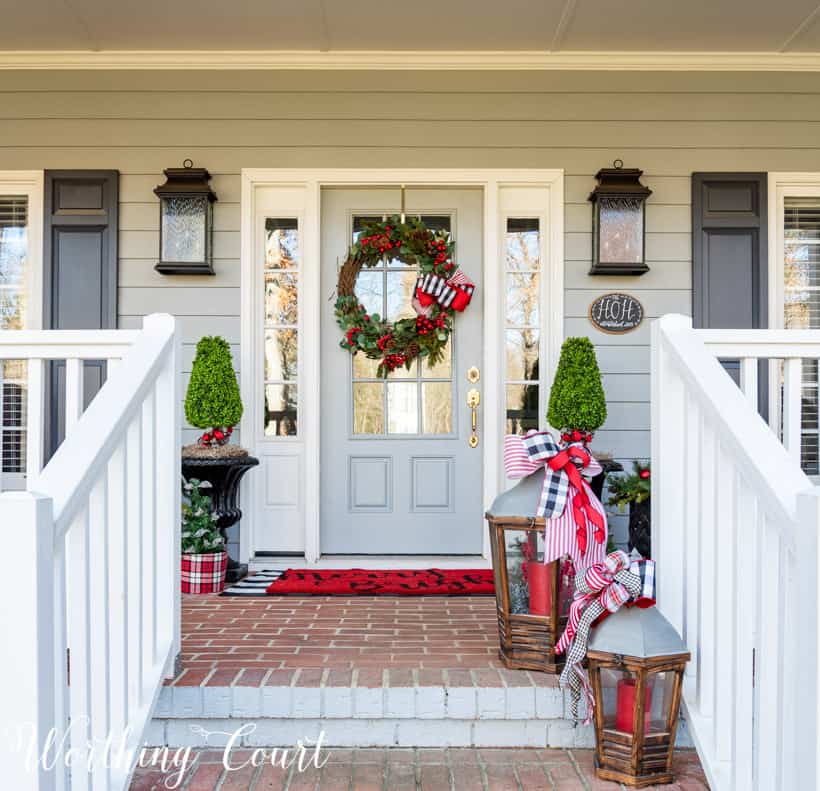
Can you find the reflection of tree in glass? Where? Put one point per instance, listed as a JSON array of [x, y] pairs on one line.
[[523, 313]]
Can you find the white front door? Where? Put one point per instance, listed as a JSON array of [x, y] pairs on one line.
[[397, 473]]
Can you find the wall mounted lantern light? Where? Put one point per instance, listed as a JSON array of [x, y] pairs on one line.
[[186, 221], [619, 221]]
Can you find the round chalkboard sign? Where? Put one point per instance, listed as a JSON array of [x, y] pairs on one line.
[[616, 313]]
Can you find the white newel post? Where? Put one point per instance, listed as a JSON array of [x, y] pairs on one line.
[[27, 663], [168, 480]]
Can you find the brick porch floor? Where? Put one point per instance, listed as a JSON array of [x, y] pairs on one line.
[[264, 636], [416, 770]]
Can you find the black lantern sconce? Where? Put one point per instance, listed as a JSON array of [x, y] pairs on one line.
[[186, 221], [619, 221]]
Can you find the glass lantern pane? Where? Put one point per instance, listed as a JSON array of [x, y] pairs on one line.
[[620, 230], [618, 689], [659, 699], [184, 228], [529, 579]]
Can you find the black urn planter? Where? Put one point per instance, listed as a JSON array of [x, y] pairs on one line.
[[639, 527], [224, 476], [607, 466]]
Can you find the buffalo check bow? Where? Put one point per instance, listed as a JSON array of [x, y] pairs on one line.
[[600, 590], [562, 473]]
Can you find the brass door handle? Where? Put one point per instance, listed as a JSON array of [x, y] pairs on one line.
[[473, 400]]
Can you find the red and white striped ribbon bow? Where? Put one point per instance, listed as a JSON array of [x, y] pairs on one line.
[[601, 589], [454, 293], [577, 521]]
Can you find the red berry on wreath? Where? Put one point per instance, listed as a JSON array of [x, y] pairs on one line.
[[644, 474], [229, 430]]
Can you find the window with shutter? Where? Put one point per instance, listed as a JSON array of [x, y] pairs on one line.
[[801, 305], [14, 247]]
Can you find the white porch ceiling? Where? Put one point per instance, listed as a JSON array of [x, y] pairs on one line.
[[433, 26]]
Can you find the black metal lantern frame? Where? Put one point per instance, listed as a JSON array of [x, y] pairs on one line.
[[186, 221], [619, 222]]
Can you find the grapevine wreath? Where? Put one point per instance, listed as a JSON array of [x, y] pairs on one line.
[[441, 291]]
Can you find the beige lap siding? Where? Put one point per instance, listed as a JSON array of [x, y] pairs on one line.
[[669, 124]]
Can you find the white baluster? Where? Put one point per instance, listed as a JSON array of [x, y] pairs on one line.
[[79, 639], [73, 393], [35, 417], [748, 380], [119, 585], [99, 648], [792, 390], [134, 558]]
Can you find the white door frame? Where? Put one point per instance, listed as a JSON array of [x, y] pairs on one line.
[[494, 184]]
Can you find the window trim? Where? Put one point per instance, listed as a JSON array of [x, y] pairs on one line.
[[30, 184]]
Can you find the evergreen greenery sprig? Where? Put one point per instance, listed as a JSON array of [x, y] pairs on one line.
[[635, 487], [199, 531]]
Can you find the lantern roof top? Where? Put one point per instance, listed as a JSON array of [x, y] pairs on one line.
[[633, 631], [521, 500], [619, 181], [186, 181]]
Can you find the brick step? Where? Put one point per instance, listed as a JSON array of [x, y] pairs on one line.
[[527, 711]]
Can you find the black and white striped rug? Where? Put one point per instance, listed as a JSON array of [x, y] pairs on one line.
[[254, 584]]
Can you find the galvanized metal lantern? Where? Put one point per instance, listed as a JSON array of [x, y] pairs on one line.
[[186, 221], [618, 221], [532, 598], [636, 664]]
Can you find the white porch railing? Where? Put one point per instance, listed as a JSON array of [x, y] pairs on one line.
[[91, 620], [734, 532]]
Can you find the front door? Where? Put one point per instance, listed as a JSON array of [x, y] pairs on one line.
[[398, 475]]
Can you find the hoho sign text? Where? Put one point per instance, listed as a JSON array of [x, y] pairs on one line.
[[616, 313]]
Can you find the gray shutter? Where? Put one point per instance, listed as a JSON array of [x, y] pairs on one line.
[[729, 258], [80, 271]]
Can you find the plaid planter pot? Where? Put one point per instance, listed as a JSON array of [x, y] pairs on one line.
[[204, 573]]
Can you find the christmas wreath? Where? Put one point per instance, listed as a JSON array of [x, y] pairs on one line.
[[441, 291]]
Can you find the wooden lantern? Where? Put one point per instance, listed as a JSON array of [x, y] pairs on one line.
[[636, 664], [532, 598]]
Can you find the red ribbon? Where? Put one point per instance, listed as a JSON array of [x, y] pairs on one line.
[[581, 507]]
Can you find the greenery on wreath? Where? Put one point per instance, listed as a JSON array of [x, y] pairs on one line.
[[200, 535], [396, 344], [213, 401], [634, 487], [577, 405]]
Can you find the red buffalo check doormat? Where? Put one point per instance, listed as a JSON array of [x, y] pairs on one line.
[[388, 582]]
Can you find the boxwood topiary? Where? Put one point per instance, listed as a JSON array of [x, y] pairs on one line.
[[577, 399], [213, 400]]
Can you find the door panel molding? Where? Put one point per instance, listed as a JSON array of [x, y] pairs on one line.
[[298, 192]]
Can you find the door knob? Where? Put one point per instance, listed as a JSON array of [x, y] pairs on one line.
[[473, 400]]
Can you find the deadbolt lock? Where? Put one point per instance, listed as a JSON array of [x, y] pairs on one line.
[[473, 375]]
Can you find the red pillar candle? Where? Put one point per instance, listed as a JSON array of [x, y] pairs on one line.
[[540, 584], [626, 706]]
